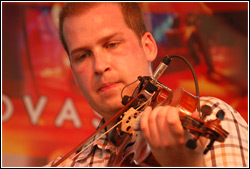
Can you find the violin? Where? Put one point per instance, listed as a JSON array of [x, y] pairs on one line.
[[132, 148]]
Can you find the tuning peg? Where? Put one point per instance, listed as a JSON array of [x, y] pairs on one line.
[[191, 143], [220, 114], [206, 110], [209, 146]]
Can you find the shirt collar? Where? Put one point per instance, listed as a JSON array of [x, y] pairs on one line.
[[102, 143]]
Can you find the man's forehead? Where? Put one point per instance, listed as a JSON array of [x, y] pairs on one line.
[[95, 17]]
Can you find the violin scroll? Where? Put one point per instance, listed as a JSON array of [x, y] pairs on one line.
[[187, 104]]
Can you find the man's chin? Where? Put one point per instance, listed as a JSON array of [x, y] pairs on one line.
[[110, 109]]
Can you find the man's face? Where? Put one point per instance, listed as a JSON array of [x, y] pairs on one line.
[[105, 56]]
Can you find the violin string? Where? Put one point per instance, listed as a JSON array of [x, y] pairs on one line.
[[110, 129]]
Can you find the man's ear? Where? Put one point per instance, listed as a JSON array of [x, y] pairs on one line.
[[149, 46]]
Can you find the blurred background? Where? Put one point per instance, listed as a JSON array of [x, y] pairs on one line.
[[44, 114]]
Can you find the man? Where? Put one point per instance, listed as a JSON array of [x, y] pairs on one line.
[[109, 47]]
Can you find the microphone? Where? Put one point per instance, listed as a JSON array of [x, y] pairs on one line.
[[161, 67]]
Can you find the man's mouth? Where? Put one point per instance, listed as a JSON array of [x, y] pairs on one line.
[[107, 87]]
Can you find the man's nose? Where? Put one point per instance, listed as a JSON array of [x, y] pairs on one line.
[[101, 63]]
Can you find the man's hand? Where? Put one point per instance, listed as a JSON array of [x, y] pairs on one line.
[[164, 132]]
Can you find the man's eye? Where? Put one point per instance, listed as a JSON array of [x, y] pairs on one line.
[[112, 45], [82, 56]]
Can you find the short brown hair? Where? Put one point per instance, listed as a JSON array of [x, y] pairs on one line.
[[131, 11]]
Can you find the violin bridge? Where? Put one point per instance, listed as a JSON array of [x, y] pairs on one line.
[[128, 120]]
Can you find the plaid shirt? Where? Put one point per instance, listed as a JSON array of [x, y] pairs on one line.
[[233, 152]]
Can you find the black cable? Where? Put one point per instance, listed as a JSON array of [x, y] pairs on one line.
[[194, 76], [127, 86]]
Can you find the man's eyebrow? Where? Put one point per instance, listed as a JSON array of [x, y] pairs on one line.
[[108, 37], [102, 40], [78, 50]]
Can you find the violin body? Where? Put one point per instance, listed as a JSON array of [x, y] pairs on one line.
[[136, 153]]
